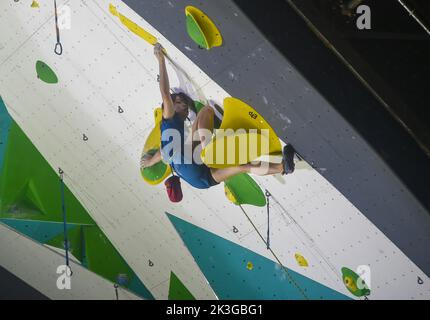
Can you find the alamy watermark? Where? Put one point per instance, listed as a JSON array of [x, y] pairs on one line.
[[64, 280], [364, 19], [229, 147], [364, 277]]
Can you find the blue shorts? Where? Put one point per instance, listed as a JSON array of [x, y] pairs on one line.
[[197, 175]]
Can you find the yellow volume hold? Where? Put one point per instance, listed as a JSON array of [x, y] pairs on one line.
[[201, 28], [132, 26], [157, 173], [244, 135]]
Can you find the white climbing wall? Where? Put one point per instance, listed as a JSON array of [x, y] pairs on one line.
[[105, 66], [37, 265]]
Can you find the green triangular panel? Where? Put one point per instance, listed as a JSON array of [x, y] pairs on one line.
[[75, 239], [26, 203], [177, 290], [103, 259], [30, 188], [32, 195], [30, 202]]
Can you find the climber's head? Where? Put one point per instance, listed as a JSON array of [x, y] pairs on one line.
[[182, 103]]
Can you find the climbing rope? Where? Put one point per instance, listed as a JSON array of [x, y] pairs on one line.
[[181, 73], [310, 241], [290, 277], [63, 208], [268, 219], [58, 47]]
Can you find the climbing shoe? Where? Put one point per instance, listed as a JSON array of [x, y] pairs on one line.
[[288, 159]]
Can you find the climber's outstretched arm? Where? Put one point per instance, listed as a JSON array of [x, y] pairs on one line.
[[168, 110]]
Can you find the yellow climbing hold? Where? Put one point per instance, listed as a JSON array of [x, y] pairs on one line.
[[160, 171], [350, 284], [154, 139], [249, 266], [35, 4], [202, 29], [351, 279], [133, 27], [244, 135], [230, 196], [301, 260]]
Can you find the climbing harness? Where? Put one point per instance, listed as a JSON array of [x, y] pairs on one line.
[[58, 47], [63, 207]]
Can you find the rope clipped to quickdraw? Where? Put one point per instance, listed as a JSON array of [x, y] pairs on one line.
[[116, 291], [268, 194], [63, 208], [58, 46]]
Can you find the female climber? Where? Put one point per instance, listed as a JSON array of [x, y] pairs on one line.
[[175, 110]]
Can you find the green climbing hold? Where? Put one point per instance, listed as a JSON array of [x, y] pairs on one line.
[[177, 290], [156, 173], [242, 189], [195, 32], [199, 106], [201, 29], [45, 73], [354, 283]]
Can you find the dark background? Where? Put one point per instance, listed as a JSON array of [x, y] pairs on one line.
[[12, 288], [392, 57]]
